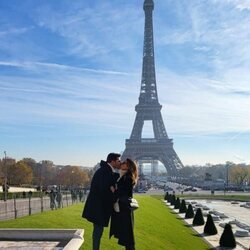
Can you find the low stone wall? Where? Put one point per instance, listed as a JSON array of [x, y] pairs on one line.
[[68, 239]]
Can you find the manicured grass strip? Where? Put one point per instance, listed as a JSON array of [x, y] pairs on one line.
[[158, 228], [155, 227]]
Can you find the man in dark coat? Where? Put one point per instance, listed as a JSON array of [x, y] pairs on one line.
[[99, 204]]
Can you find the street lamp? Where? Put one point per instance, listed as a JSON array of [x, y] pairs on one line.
[[59, 169], [5, 178], [227, 174], [72, 180], [40, 181]]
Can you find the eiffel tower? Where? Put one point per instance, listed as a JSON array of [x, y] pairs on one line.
[[160, 147]]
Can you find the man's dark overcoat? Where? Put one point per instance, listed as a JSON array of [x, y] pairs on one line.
[[99, 204]]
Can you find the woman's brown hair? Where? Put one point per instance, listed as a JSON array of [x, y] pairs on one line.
[[132, 170]]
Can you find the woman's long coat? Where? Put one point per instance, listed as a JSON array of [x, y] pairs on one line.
[[122, 223]]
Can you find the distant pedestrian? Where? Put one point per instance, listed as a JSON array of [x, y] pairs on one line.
[[74, 196], [52, 197], [99, 203], [59, 199], [80, 195]]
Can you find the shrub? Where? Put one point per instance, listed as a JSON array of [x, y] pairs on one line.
[[198, 218], [210, 228], [183, 207], [173, 200], [166, 196], [190, 212], [169, 197], [177, 203], [227, 238]]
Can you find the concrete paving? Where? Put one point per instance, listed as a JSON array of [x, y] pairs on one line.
[[29, 245], [18, 189], [41, 239], [231, 211]]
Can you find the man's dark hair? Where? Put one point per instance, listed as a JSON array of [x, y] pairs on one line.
[[112, 157]]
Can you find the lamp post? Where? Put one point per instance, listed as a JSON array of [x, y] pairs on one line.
[[5, 178], [227, 175], [72, 179], [59, 178]]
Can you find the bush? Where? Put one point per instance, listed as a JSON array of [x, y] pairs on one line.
[[169, 198], [177, 203], [227, 238], [166, 196], [190, 212], [172, 200], [198, 218], [183, 207], [210, 228]]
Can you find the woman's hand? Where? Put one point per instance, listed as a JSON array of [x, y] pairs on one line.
[[112, 189]]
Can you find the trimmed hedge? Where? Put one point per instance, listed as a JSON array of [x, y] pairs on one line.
[[210, 228], [177, 203], [227, 238], [198, 218], [183, 207], [169, 198], [190, 212], [166, 196], [172, 202]]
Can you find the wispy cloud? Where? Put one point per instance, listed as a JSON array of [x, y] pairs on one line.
[[49, 66], [238, 4], [71, 70], [94, 32], [13, 31]]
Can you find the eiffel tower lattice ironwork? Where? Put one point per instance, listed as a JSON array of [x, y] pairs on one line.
[[148, 109]]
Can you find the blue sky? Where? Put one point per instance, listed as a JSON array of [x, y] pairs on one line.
[[70, 77]]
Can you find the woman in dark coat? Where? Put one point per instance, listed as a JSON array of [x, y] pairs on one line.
[[122, 222]]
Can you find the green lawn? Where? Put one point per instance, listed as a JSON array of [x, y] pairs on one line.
[[156, 228]]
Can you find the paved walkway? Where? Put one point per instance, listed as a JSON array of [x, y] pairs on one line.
[[18, 189], [233, 211], [30, 245]]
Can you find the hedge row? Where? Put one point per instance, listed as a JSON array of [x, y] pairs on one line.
[[227, 238]]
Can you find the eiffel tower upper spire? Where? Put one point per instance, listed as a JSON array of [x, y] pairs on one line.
[[148, 4], [160, 147], [148, 93]]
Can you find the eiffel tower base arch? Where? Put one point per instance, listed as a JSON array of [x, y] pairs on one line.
[[150, 148]]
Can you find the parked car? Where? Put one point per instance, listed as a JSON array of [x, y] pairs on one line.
[[167, 188], [141, 191]]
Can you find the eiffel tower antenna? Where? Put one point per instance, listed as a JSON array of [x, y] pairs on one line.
[[149, 109]]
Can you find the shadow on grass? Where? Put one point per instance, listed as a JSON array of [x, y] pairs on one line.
[[217, 248], [173, 212], [198, 235], [179, 218]]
